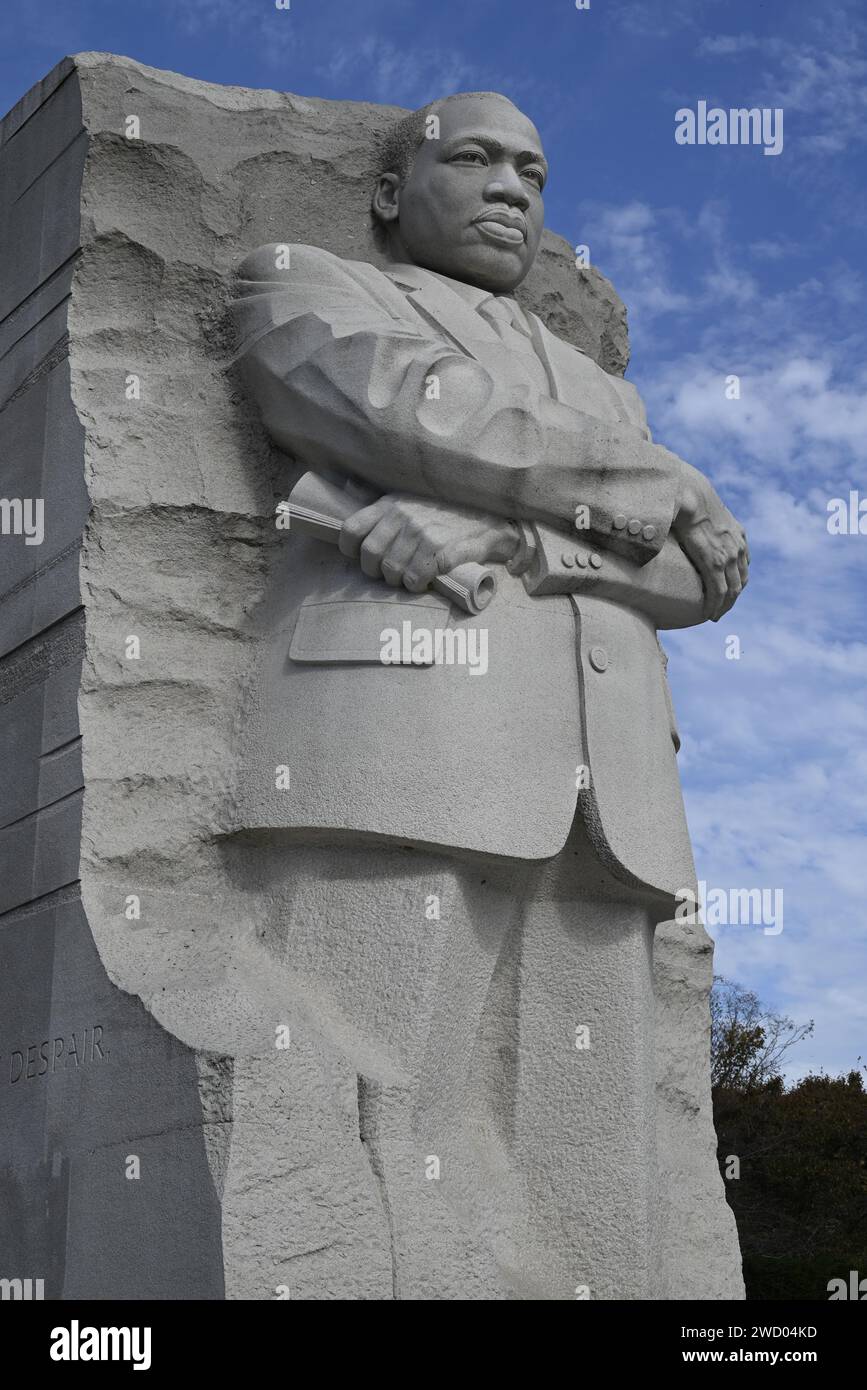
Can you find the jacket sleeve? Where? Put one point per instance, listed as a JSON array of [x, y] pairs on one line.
[[345, 381], [668, 588]]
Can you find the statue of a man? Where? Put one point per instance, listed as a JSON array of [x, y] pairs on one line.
[[480, 852]]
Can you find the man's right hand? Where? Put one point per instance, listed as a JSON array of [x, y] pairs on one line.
[[714, 541], [408, 540]]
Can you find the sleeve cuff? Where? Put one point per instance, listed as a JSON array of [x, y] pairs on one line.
[[526, 551]]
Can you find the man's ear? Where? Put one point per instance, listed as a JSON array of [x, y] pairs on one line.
[[386, 197]]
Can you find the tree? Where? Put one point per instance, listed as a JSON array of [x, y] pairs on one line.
[[800, 1197], [748, 1042]]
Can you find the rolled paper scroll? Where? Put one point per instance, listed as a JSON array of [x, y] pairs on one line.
[[319, 508]]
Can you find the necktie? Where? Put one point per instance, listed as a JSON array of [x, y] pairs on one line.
[[503, 315]]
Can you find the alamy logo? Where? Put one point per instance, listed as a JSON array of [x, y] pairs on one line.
[[449, 646], [23, 516], [847, 518], [76, 1343], [24, 1289], [855, 1290], [731, 907], [739, 126]]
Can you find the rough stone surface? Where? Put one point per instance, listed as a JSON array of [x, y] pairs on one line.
[[157, 527]]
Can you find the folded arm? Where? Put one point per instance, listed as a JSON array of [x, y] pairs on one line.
[[668, 589], [344, 384], [408, 541], [346, 381]]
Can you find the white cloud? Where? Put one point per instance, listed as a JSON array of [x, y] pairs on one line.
[[774, 755], [724, 45], [776, 784], [641, 19], [629, 242], [402, 76], [789, 409], [824, 80]]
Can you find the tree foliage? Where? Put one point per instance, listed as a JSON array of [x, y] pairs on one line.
[[800, 1199], [748, 1042]]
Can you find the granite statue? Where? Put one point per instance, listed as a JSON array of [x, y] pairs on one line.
[[539, 808]]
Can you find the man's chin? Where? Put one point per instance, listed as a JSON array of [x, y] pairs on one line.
[[494, 268]]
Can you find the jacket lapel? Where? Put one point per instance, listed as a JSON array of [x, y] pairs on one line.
[[540, 334], [584, 384], [458, 319], [442, 306]]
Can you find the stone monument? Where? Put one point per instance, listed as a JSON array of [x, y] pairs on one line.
[[333, 968]]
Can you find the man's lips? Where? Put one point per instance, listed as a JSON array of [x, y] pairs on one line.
[[502, 225]]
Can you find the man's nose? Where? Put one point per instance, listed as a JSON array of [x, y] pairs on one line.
[[505, 186]]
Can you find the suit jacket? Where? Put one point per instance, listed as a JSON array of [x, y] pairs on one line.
[[339, 356]]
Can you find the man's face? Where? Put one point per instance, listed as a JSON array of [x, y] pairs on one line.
[[472, 206]]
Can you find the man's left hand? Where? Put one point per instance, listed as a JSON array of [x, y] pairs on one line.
[[409, 540]]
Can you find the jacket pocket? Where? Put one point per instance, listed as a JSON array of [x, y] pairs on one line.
[[367, 632]]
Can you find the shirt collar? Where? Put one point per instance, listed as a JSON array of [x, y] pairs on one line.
[[412, 277]]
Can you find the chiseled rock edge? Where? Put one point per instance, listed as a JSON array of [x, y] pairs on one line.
[[698, 1239]]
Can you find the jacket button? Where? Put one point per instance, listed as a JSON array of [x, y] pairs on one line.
[[567, 559], [619, 522], [580, 560], [649, 532], [599, 658], [596, 560], [634, 526]]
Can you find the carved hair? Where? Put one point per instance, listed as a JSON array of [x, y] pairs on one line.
[[406, 135]]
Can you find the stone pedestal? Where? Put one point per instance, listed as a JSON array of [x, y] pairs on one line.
[[156, 1051]]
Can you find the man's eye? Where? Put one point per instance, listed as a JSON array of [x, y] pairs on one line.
[[470, 155], [536, 176]]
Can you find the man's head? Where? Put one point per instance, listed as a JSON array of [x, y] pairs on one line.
[[462, 193]]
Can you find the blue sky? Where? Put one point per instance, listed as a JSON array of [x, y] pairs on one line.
[[731, 262]]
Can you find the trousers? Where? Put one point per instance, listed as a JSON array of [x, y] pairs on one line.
[[467, 1109]]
